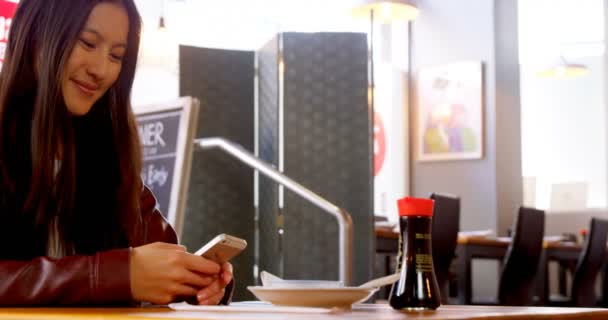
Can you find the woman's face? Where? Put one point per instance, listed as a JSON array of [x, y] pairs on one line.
[[96, 59]]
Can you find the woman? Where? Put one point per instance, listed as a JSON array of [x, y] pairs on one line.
[[71, 200]]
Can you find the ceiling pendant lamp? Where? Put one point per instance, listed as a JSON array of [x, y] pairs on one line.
[[564, 70], [161, 20], [386, 11]]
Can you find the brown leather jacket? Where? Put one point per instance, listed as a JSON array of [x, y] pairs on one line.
[[102, 278]]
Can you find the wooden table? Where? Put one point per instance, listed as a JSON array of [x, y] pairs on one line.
[[496, 248], [387, 245], [378, 311], [563, 252], [474, 247], [387, 241]]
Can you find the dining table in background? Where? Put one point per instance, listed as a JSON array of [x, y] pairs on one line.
[[470, 248], [363, 311], [492, 248], [566, 254], [495, 248], [387, 244]]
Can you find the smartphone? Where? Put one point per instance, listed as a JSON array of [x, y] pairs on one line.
[[222, 248]]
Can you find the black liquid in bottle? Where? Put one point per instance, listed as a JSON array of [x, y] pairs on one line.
[[417, 288]]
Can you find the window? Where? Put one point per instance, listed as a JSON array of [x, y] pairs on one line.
[[563, 120]]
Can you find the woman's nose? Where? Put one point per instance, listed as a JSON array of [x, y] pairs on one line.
[[97, 65]]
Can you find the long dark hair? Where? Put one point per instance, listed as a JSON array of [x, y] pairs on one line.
[[94, 196]]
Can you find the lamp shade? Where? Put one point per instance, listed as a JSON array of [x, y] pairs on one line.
[[386, 11], [564, 70]]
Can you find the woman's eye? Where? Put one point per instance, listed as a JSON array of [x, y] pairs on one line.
[[87, 44], [116, 57]]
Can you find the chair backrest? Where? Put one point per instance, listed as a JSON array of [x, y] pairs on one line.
[[446, 223], [517, 279], [589, 264]]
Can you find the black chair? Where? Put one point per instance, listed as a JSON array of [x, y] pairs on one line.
[[517, 279], [520, 264], [446, 222], [587, 268]]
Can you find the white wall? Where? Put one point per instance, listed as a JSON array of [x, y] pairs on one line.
[[452, 31], [157, 74], [154, 86], [447, 32]]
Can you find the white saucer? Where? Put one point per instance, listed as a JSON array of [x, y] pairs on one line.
[[246, 307], [313, 297]]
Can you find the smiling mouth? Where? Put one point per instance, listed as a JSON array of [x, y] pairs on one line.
[[85, 88]]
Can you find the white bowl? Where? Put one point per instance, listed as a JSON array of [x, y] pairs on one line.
[[303, 284]]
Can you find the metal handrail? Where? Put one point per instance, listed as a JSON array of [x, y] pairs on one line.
[[345, 222]]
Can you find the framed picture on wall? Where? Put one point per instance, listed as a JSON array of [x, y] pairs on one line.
[[449, 113]]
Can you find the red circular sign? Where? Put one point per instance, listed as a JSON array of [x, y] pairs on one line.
[[379, 143], [7, 10]]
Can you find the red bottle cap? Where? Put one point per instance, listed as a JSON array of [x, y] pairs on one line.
[[409, 206]]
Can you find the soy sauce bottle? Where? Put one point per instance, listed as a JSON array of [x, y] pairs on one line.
[[417, 288]]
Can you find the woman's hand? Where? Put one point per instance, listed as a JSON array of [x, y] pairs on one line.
[[160, 272], [213, 293]]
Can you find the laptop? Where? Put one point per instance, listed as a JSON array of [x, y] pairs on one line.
[[569, 196]]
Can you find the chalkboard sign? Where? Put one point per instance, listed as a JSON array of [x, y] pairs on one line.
[[166, 132]]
